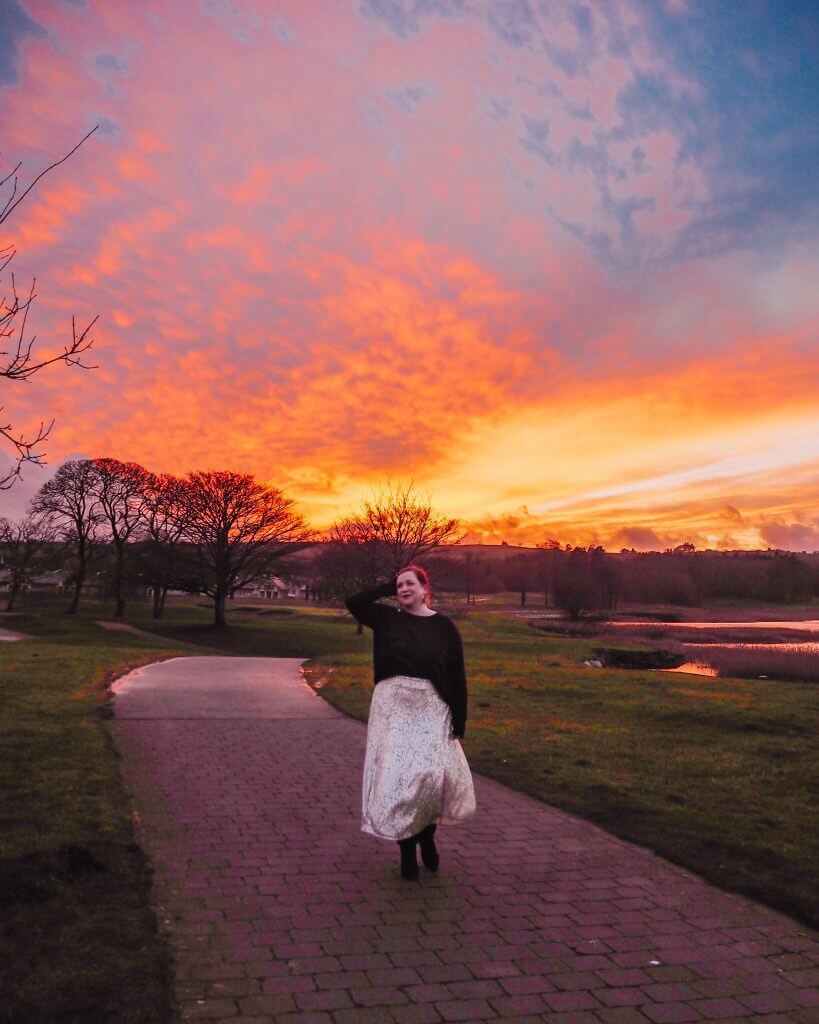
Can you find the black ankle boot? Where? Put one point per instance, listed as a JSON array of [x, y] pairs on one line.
[[409, 865], [429, 855]]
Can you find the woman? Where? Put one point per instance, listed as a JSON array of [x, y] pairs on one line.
[[415, 771]]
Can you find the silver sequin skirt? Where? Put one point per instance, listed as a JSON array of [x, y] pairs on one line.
[[415, 772]]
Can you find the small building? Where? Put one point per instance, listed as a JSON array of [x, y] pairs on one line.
[[49, 582], [272, 588]]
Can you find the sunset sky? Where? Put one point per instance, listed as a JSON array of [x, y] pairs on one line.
[[556, 262]]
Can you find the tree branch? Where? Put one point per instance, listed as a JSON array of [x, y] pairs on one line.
[[7, 209]]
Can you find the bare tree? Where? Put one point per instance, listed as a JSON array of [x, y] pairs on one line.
[[166, 523], [24, 547], [240, 528], [394, 528], [18, 361], [405, 524], [69, 502], [120, 492]]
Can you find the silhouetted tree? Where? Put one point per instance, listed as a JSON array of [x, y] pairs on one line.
[[164, 515], [587, 580], [549, 562], [402, 525], [462, 572], [17, 359], [120, 492], [240, 529], [25, 548], [519, 572], [790, 580], [69, 502], [605, 578], [574, 589], [394, 528]]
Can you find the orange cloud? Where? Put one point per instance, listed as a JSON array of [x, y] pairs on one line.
[[328, 285]]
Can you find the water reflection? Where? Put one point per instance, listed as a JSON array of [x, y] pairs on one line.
[[770, 655], [809, 625], [693, 668], [810, 646], [757, 649]]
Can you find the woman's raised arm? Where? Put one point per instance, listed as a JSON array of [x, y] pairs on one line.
[[362, 605]]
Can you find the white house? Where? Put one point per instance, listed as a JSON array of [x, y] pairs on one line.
[[272, 588]]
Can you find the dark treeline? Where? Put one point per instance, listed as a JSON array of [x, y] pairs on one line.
[[104, 520], [129, 531], [581, 580], [691, 579]]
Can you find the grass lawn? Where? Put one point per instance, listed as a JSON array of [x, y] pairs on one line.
[[78, 941], [282, 632], [717, 775]]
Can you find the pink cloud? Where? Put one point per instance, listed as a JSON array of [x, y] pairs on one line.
[[297, 275]]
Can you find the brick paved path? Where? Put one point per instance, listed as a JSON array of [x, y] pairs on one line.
[[279, 909]]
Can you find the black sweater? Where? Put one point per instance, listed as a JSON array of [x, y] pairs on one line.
[[425, 646]]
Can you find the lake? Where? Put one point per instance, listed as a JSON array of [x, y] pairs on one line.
[[809, 625], [755, 648], [761, 626]]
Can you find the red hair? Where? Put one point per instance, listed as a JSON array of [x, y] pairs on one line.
[[421, 575]]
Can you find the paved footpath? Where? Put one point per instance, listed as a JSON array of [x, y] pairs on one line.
[[10, 635], [277, 908]]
